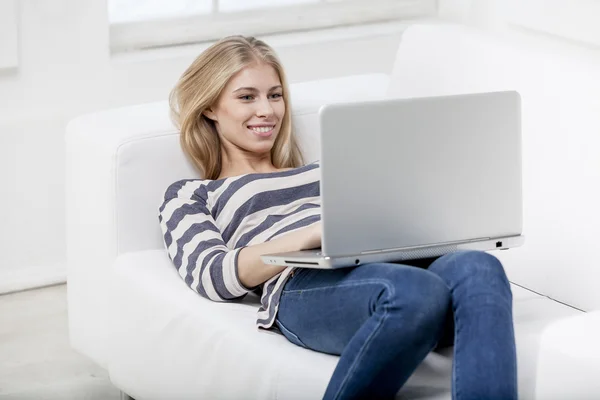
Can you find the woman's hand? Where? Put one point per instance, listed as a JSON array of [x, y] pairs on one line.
[[312, 236], [251, 269]]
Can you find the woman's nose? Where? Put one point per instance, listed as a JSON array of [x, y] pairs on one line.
[[264, 108]]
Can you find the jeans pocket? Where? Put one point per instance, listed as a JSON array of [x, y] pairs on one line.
[[294, 280], [291, 336]]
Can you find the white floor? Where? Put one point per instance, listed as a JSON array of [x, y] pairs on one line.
[[36, 361]]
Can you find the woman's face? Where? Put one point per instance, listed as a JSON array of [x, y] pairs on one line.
[[249, 112]]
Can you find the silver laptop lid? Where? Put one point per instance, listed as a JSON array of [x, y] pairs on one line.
[[410, 172]]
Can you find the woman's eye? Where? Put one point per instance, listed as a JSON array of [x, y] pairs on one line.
[[251, 97]]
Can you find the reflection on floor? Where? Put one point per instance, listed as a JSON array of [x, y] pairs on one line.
[[36, 361]]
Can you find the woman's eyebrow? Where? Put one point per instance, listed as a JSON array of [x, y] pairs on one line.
[[251, 89]]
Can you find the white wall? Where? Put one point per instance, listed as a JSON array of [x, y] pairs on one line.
[[558, 21], [561, 143], [65, 69]]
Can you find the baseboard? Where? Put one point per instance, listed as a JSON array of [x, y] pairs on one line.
[[30, 277]]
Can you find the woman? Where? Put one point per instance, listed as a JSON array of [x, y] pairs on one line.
[[258, 197]]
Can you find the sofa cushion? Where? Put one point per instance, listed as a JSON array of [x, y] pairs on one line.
[[168, 342]]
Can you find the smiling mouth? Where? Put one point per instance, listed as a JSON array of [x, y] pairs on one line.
[[263, 131]]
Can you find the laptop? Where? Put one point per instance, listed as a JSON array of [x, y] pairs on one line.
[[404, 179]]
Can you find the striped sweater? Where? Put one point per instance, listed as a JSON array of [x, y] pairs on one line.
[[205, 224]]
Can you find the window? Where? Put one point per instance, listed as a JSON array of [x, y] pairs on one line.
[[9, 57], [140, 24]]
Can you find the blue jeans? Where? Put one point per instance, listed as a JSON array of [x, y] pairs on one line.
[[382, 319]]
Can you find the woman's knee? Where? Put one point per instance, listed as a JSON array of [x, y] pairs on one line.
[[477, 268], [469, 263]]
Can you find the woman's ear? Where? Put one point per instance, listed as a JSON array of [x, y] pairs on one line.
[[209, 113]]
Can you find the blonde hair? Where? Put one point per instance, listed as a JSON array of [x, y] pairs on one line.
[[201, 85]]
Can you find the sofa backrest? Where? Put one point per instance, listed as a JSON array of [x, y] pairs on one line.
[[119, 164], [143, 153], [561, 144]]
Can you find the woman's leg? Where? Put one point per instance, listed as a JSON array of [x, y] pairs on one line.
[[383, 319], [485, 365]]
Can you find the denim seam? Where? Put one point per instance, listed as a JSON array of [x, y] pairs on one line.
[[336, 286], [369, 339], [455, 373], [457, 329]]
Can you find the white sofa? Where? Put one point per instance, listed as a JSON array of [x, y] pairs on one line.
[[131, 313]]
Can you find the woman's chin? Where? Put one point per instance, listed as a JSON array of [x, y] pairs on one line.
[[262, 146]]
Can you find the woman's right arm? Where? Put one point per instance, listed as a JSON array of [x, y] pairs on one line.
[[252, 271], [207, 265]]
